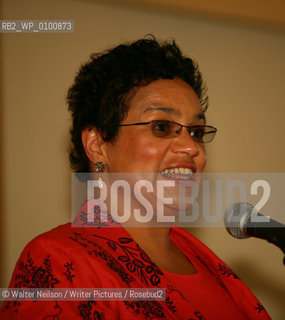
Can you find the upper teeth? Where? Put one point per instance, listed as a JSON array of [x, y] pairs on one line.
[[177, 170]]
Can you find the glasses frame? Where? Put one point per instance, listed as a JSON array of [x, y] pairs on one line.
[[214, 130]]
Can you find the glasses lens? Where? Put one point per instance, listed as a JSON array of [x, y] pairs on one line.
[[169, 129], [162, 128], [209, 134], [203, 134], [197, 133]]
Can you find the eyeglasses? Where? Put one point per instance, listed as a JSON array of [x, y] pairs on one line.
[[171, 129]]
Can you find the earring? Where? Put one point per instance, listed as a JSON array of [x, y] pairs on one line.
[[99, 168]]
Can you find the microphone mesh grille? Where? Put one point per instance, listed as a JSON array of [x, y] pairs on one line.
[[235, 217]]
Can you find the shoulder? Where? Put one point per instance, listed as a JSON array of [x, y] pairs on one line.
[[55, 242], [62, 257], [62, 239]]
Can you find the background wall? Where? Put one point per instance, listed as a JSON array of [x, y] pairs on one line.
[[244, 68]]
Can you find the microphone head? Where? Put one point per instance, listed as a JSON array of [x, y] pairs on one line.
[[235, 219]]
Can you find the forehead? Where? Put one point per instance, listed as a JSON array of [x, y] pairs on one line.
[[174, 97]]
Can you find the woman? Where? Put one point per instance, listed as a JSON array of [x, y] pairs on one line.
[[137, 108]]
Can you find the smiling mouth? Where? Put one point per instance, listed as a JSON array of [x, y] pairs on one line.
[[177, 173]]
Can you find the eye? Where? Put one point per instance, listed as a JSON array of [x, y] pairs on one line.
[[197, 132], [161, 128]]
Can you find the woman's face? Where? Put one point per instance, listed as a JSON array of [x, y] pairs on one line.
[[136, 149]]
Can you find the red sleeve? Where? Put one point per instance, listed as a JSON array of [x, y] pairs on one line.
[[47, 262]]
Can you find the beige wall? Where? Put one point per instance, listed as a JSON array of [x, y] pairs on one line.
[[245, 72], [270, 14]]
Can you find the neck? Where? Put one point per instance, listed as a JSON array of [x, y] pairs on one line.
[[149, 237]]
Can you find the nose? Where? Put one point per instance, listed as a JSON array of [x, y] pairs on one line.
[[184, 143]]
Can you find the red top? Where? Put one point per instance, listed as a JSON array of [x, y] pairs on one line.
[[204, 291], [104, 255]]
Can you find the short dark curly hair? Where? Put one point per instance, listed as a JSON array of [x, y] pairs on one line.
[[99, 94]]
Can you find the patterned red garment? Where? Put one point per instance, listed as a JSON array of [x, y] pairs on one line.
[[104, 255]]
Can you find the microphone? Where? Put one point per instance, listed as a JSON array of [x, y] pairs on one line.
[[243, 221]]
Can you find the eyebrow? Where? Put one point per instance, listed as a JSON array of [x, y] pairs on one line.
[[172, 111], [165, 109], [200, 116]]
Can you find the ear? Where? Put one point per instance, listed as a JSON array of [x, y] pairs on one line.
[[93, 145]]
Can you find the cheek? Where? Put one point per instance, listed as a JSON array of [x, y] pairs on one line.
[[136, 154], [147, 152], [202, 159]]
